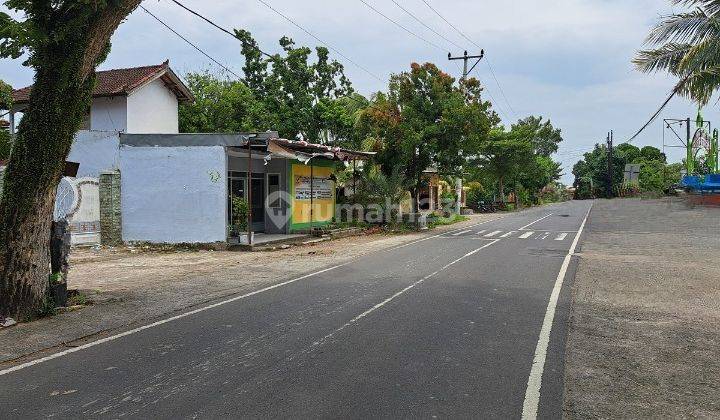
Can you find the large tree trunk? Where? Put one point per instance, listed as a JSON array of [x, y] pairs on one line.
[[59, 100]]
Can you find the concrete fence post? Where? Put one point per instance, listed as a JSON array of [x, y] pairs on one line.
[[110, 209]]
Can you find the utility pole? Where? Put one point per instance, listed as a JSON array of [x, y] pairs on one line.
[[465, 57], [610, 164]]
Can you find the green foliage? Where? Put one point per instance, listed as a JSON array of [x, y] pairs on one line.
[[426, 120], [436, 221], [241, 213], [220, 106], [519, 159], [656, 176], [687, 45], [381, 189], [297, 95]]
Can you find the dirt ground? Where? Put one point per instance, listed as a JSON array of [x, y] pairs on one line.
[[644, 340], [133, 286]]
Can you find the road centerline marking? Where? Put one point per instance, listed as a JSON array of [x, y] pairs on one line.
[[491, 234], [399, 293], [532, 223], [461, 232], [532, 393]]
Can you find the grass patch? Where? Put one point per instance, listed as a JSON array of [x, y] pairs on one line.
[[445, 221]]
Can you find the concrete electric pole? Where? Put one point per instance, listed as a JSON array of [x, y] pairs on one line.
[[465, 57]]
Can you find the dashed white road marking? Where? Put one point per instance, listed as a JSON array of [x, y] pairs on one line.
[[394, 296], [461, 232], [491, 234], [561, 237], [507, 234], [526, 235], [532, 223], [482, 231], [532, 394]]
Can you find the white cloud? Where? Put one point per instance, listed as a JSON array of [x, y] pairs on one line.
[[568, 60]]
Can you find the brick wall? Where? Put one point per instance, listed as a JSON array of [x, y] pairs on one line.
[[110, 210]]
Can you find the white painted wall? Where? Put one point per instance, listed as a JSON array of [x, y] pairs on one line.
[[174, 194], [109, 114], [95, 151], [152, 109]]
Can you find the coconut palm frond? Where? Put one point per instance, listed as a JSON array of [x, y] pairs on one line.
[[687, 27], [711, 7], [701, 56], [700, 85], [667, 58]]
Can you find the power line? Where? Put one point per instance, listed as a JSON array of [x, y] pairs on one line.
[[338, 52], [401, 26], [220, 27], [492, 71], [425, 25], [190, 43], [654, 116]]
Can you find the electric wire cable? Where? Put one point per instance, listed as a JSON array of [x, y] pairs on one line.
[[338, 52], [190, 43], [218, 26], [394, 22], [412, 15], [487, 59]]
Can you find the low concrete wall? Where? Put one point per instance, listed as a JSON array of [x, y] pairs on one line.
[[173, 194]]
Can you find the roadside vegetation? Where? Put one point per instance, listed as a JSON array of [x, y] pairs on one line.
[[424, 119], [656, 177]]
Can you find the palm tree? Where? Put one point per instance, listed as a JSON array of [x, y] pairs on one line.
[[687, 45]]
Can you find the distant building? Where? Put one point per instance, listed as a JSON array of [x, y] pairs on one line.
[[132, 100]]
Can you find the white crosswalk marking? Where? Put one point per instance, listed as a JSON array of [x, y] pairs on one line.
[[491, 234], [545, 236], [526, 235], [482, 231], [561, 237], [461, 233], [507, 234]]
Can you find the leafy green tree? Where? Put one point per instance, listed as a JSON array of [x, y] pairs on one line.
[[64, 41], [687, 45], [220, 106], [545, 138], [503, 157], [291, 87], [426, 120]]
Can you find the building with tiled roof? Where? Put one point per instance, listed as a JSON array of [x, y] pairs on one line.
[[131, 100]]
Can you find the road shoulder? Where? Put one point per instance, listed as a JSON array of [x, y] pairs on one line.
[[643, 337]]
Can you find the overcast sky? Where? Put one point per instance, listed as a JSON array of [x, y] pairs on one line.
[[566, 60]]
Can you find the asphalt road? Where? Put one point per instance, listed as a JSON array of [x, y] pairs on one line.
[[444, 327]]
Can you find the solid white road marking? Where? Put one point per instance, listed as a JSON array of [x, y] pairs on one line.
[[491, 234], [526, 235], [461, 233], [561, 237], [532, 223], [532, 394], [215, 305], [507, 234], [394, 296], [164, 321]]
